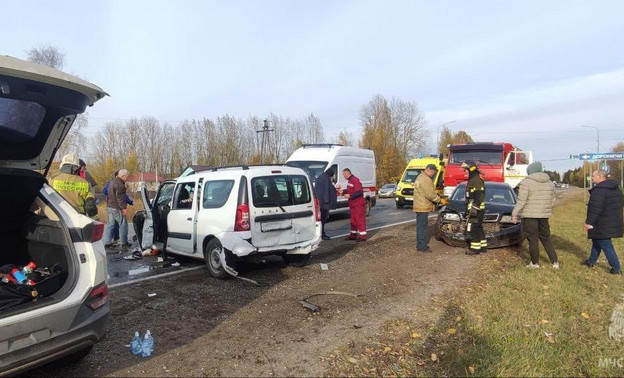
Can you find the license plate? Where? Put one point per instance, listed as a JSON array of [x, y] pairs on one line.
[[276, 226]]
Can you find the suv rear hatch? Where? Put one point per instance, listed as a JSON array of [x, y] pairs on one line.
[[282, 210], [37, 108]]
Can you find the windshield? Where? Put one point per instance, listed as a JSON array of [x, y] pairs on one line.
[[410, 175], [312, 168], [388, 186], [483, 157], [492, 195]]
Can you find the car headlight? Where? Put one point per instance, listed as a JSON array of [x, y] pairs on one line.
[[451, 217], [506, 219]]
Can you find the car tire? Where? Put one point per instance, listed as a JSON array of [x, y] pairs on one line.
[[399, 205], [437, 234], [213, 261], [367, 208], [297, 260]]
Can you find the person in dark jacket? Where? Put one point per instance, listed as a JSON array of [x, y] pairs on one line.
[[604, 219], [327, 197], [475, 210], [129, 201], [116, 209]]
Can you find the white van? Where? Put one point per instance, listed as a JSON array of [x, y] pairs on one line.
[[225, 214], [315, 159]]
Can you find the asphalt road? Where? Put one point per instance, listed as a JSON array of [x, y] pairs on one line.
[[124, 272]]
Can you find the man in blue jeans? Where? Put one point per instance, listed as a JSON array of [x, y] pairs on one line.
[[116, 209], [604, 220], [425, 200]]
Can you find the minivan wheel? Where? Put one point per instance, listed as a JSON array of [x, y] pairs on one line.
[[213, 261], [296, 260]]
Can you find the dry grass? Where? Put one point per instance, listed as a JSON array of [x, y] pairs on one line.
[[511, 321]]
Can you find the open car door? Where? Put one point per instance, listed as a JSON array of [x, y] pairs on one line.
[[154, 228]]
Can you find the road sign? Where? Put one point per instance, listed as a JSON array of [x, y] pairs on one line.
[[602, 156]]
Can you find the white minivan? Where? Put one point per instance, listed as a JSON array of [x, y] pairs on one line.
[[65, 310], [226, 214], [315, 159]]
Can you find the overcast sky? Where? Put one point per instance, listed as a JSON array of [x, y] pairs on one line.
[[528, 72]]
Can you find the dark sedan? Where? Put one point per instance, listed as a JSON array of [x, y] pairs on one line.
[[500, 231]]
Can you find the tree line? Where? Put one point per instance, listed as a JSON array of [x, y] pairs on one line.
[[394, 129]]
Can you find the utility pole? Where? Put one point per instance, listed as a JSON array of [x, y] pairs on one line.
[[265, 137]]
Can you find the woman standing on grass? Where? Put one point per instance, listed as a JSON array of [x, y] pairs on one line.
[[536, 197], [604, 220]]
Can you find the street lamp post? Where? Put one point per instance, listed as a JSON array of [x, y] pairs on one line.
[[438, 133]]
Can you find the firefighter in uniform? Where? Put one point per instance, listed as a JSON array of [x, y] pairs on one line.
[[357, 206], [475, 210], [73, 188]]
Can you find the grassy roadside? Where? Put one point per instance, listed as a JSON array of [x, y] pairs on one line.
[[509, 321]]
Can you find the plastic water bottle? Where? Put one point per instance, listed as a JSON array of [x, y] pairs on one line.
[[148, 344], [136, 345]]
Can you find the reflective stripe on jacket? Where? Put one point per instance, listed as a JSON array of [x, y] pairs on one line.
[[74, 189], [475, 192]]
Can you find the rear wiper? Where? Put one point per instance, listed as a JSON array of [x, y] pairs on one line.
[[276, 204]]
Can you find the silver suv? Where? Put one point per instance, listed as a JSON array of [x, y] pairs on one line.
[[68, 308]]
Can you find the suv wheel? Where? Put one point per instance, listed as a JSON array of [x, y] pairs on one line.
[[296, 260], [213, 261]]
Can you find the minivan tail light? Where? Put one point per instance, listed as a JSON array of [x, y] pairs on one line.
[[98, 296], [317, 209], [242, 218], [98, 231]]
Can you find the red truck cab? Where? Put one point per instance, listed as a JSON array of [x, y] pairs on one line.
[[497, 161]]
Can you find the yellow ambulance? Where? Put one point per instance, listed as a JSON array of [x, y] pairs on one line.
[[405, 189]]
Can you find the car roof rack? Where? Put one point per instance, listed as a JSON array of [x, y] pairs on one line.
[[329, 145], [243, 167]]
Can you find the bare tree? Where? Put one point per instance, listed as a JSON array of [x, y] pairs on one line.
[[48, 56], [345, 138]]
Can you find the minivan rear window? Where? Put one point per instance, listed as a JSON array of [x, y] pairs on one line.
[[19, 120], [283, 190]]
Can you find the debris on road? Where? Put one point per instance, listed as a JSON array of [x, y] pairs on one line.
[[324, 266], [315, 308], [150, 295]]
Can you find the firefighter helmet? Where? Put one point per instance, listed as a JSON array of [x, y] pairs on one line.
[[470, 166]]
